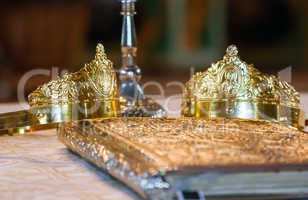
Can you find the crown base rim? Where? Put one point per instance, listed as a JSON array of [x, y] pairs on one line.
[[248, 110]]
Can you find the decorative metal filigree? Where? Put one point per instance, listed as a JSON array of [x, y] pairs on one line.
[[96, 81], [232, 88], [231, 78]]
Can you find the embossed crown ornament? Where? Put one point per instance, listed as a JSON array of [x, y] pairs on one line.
[[89, 93], [95, 82], [231, 88]]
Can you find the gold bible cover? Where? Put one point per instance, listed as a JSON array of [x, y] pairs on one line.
[[187, 157]]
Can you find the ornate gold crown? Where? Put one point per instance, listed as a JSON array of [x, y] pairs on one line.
[[231, 88], [95, 82], [90, 92]]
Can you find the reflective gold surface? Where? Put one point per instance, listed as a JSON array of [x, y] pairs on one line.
[[96, 81], [89, 93], [139, 151], [233, 89]]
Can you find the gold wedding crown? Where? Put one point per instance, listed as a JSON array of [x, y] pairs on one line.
[[96, 81], [231, 88], [89, 93]]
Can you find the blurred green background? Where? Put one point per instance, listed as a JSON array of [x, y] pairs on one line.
[[173, 36]]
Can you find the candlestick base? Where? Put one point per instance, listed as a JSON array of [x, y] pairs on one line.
[[146, 107]]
